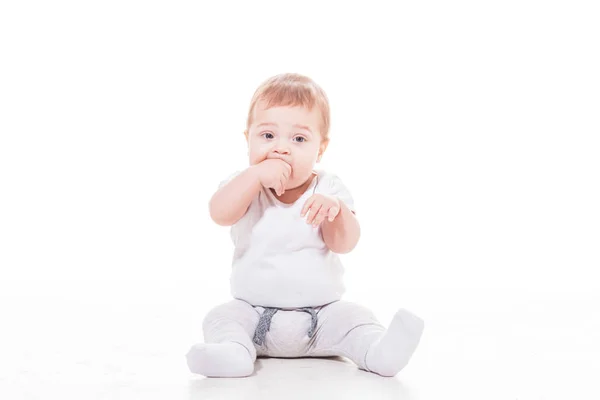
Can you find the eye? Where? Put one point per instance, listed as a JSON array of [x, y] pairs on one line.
[[268, 135], [300, 139]]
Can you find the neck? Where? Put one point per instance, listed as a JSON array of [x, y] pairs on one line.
[[291, 195]]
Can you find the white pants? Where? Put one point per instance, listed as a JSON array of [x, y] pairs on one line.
[[343, 329]]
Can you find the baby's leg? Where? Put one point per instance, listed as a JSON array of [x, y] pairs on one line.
[[228, 350], [350, 330]]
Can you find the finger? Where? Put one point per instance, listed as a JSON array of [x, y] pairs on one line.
[[333, 212], [288, 169], [285, 177], [282, 181], [277, 187], [320, 216], [307, 205], [314, 209]]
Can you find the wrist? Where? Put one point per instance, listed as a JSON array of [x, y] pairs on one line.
[[254, 173]]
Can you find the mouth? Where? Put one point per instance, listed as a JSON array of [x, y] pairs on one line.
[[278, 157]]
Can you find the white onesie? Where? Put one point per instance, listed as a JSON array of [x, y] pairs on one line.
[[279, 259], [287, 287]]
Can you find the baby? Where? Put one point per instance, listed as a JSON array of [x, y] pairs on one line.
[[288, 223]]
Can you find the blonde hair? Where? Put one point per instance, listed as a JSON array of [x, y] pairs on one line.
[[291, 89]]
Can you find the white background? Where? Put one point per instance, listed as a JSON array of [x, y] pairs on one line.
[[468, 133]]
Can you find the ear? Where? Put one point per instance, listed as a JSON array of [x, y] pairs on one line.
[[246, 135], [322, 148]]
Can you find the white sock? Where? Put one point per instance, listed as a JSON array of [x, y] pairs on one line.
[[393, 350], [222, 360]]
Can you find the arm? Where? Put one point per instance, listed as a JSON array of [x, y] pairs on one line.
[[231, 202], [342, 234]]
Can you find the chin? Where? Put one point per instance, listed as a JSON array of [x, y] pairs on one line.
[[291, 186], [297, 183]]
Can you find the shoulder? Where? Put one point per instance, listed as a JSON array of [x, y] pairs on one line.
[[328, 180]]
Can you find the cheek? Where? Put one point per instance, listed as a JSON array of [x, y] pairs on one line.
[[309, 157], [304, 163], [256, 154]]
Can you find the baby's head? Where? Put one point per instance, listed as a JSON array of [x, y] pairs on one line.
[[288, 119]]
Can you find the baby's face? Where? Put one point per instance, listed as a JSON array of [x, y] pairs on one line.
[[288, 133]]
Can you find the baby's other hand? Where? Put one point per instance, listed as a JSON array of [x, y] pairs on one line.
[[320, 206]]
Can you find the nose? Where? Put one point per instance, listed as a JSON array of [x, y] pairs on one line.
[[281, 148]]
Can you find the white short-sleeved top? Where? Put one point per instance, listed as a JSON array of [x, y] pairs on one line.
[[281, 261]]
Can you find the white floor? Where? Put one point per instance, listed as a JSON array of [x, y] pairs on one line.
[[120, 342]]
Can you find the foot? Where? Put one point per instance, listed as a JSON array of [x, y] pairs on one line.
[[393, 350], [220, 360]]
